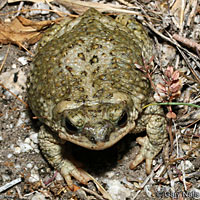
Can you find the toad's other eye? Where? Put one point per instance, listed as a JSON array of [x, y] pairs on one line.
[[70, 126], [123, 119]]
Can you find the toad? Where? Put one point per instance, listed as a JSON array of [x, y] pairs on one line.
[[86, 89]]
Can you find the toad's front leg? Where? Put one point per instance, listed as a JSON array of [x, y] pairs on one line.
[[155, 123], [51, 146]]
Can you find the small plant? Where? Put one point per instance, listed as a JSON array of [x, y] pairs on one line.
[[169, 89]]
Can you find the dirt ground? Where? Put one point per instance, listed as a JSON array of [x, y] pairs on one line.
[[177, 175]]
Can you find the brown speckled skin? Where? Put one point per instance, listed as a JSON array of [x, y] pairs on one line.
[[85, 88]]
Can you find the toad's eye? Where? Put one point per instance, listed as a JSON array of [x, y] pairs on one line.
[[123, 119], [70, 126]]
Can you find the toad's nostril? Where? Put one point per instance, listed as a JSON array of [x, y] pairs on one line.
[[100, 132]]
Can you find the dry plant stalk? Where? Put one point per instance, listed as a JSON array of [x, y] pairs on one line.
[[188, 42]]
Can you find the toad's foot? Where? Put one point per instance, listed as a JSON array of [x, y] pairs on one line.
[[147, 152], [52, 148], [69, 170]]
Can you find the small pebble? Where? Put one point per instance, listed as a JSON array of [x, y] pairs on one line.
[[110, 174], [34, 138], [59, 177], [38, 196], [17, 150], [187, 165], [27, 140], [25, 147], [9, 155], [34, 176], [117, 190], [14, 66], [29, 165], [17, 166], [1, 57], [39, 8], [19, 122], [23, 60]]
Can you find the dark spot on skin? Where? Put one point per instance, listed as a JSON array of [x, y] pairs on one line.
[[81, 56], [80, 42], [15, 77], [70, 46], [69, 69], [84, 73], [110, 38], [94, 59], [96, 46], [96, 70], [81, 89]]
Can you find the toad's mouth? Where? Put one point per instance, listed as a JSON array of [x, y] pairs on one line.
[[99, 145]]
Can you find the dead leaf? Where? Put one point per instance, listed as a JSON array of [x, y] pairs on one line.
[[81, 6], [178, 11], [36, 25], [22, 31]]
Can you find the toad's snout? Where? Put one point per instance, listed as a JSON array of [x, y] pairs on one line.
[[100, 132]]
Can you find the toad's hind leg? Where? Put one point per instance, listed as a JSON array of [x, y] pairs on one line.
[[154, 121], [51, 146]]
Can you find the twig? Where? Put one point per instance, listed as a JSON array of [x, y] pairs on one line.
[[194, 174], [19, 192], [54, 8], [141, 186], [180, 48], [193, 11], [195, 73], [188, 42], [183, 175], [100, 188], [10, 184], [14, 95], [125, 3], [182, 15], [51, 179], [19, 8], [4, 60], [173, 160], [98, 6], [93, 193], [166, 159]]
